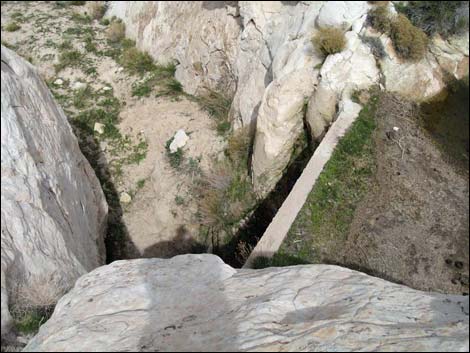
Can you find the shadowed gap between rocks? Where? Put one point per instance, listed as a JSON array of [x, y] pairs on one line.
[[118, 244]]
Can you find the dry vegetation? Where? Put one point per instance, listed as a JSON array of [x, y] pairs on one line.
[[329, 41], [410, 42]]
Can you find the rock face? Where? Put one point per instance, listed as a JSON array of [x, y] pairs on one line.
[[262, 53], [197, 303], [201, 36], [53, 209]]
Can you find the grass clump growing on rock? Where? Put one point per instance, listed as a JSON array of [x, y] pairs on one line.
[[12, 27], [329, 41], [410, 42]]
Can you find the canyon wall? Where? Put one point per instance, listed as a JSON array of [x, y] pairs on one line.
[[261, 53], [53, 209]]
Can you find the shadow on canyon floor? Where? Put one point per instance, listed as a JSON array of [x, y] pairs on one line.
[[118, 244]]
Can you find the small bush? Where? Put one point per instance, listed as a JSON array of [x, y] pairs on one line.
[[379, 19], [90, 46], [174, 158], [34, 303], [97, 10], [70, 58], [12, 27], [409, 41], [116, 31], [136, 62], [443, 17], [171, 87], [105, 22], [217, 104], [329, 41]]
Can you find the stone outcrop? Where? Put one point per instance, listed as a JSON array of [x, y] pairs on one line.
[[198, 303], [201, 36], [53, 214], [262, 53]]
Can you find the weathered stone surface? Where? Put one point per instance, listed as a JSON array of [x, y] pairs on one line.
[[202, 36], [341, 14], [352, 69], [452, 54], [252, 46], [197, 303], [278, 127], [53, 213]]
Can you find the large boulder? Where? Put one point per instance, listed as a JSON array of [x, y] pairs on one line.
[[198, 303], [53, 214], [341, 74], [452, 54], [341, 14]]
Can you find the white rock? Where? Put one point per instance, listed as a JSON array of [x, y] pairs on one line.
[[59, 82], [414, 80], [53, 213], [451, 54], [279, 124], [99, 128], [106, 88], [341, 14], [179, 141], [396, 128], [198, 303], [78, 85], [125, 198]]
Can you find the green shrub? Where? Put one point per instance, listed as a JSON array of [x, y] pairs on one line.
[[105, 22], [136, 62], [410, 42], [329, 41], [90, 46], [12, 27], [443, 17], [69, 58], [175, 158], [217, 104], [379, 19], [116, 31]]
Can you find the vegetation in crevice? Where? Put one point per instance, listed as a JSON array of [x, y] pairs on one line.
[[437, 17], [329, 41], [326, 215], [409, 41]]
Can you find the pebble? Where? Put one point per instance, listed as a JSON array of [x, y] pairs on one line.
[[125, 198]]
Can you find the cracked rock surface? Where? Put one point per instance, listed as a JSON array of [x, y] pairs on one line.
[[198, 303], [53, 209]]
